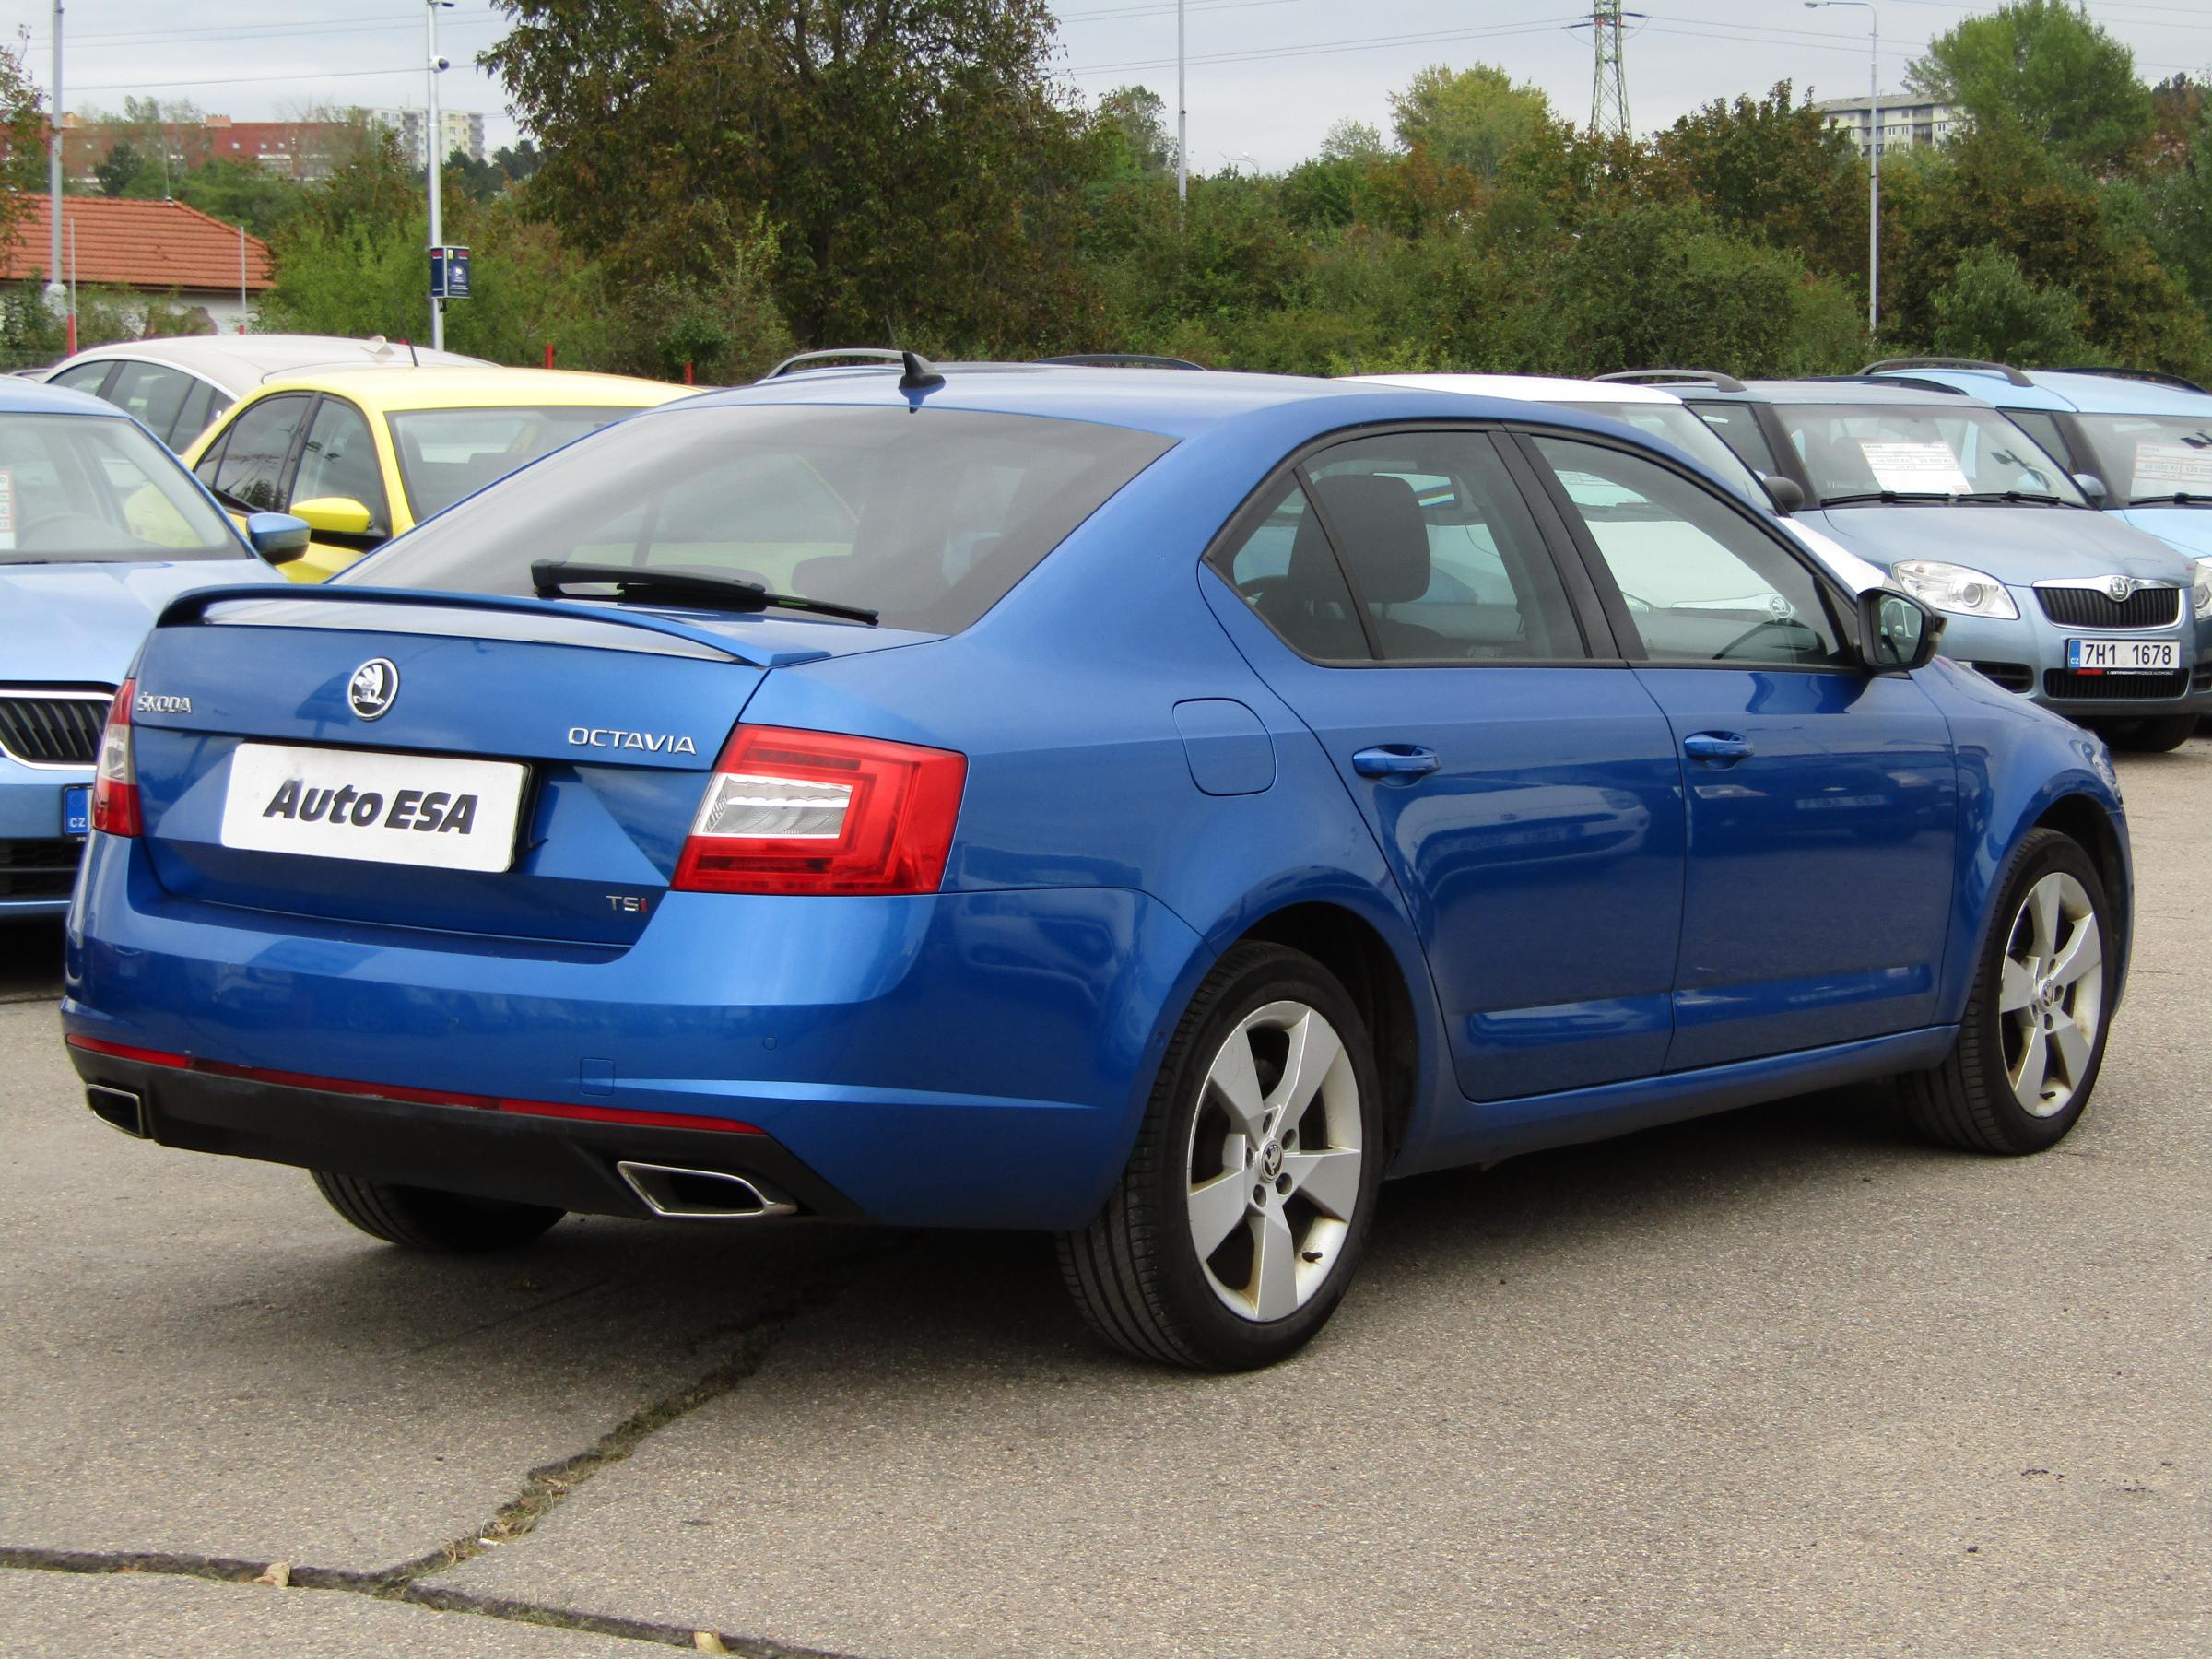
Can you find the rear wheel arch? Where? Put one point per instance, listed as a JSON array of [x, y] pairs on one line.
[[1352, 947]]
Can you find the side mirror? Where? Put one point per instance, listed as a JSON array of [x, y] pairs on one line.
[[277, 536], [2090, 485], [333, 516], [1784, 493], [1897, 632]]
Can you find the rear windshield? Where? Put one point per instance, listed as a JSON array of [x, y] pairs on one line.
[[927, 519], [95, 489], [1673, 423], [447, 453]]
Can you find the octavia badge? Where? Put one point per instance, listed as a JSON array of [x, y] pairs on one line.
[[2119, 587], [374, 684]]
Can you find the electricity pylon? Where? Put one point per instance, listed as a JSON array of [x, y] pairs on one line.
[[1608, 79]]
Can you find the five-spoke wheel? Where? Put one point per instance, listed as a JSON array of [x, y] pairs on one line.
[[1238, 1223]]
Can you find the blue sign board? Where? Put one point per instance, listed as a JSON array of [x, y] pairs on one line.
[[449, 273]]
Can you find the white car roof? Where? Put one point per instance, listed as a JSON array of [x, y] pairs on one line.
[[238, 363], [1528, 388]]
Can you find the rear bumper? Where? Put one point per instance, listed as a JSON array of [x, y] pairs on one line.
[[532, 1158], [960, 1059]]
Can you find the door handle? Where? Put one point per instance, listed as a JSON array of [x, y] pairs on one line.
[[1717, 746], [1395, 761]]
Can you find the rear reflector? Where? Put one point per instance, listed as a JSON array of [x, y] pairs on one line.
[[408, 1096], [816, 812], [115, 784]]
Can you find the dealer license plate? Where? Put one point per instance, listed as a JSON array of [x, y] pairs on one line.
[[2123, 656], [426, 810]]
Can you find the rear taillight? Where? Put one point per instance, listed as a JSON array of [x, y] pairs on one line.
[[115, 785], [814, 812]]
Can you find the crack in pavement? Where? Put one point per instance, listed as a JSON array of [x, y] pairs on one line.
[[544, 1489]]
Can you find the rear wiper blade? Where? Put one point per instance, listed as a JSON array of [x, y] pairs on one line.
[[2179, 498], [1886, 495], [702, 589]]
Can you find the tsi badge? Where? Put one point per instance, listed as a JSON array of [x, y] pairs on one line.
[[374, 684]]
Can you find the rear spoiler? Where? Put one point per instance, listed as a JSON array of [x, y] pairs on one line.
[[192, 607]]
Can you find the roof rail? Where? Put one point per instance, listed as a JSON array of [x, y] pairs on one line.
[[1639, 377], [920, 374], [2155, 377], [2013, 377], [1913, 383], [1123, 359]]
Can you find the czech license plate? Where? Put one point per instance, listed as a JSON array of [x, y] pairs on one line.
[[2123, 656], [425, 810], [77, 809]]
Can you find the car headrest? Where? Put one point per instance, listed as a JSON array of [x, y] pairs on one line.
[[1380, 517]]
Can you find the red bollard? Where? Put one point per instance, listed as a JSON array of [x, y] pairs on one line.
[[687, 371], [548, 354]]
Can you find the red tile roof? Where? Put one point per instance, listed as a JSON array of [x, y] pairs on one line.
[[156, 246]]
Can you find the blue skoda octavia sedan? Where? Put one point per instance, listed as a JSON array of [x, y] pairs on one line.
[[1147, 807]]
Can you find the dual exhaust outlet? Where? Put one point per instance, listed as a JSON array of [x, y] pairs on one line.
[[668, 1190]]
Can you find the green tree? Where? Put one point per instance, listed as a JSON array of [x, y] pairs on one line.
[[1469, 118], [1350, 140], [1137, 117], [2049, 69], [121, 168], [22, 141], [1990, 309], [915, 161], [242, 192], [1774, 171]]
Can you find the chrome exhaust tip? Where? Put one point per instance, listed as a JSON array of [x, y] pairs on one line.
[[702, 1194], [119, 1108]]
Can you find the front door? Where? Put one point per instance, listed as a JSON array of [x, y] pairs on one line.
[[1821, 800], [1520, 781]]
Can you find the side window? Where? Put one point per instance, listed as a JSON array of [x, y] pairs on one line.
[[2043, 428], [1702, 584], [339, 460], [201, 406], [1443, 550], [84, 377], [154, 393], [1738, 425], [249, 473], [1286, 571]]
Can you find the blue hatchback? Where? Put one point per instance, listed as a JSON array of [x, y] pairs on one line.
[[1149, 807], [99, 528]]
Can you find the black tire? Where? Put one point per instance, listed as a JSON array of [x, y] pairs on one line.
[[1969, 1101], [2158, 735], [425, 1219], [1136, 1272]]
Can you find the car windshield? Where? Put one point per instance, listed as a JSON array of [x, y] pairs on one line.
[[1673, 423], [2151, 457], [1869, 452], [927, 521], [447, 453], [95, 489]]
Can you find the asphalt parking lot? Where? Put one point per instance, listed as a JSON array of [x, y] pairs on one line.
[[1780, 1382]]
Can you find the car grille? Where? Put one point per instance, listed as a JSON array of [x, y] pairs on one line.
[[39, 870], [2092, 607], [2013, 677], [2067, 685], [52, 728]]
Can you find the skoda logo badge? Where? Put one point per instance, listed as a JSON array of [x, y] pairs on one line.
[[2120, 587], [374, 684]]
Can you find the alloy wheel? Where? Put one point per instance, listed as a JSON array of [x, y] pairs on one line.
[[1275, 1160], [2051, 1001]]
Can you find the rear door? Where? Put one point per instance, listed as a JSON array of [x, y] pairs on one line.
[[1821, 799], [1520, 781]]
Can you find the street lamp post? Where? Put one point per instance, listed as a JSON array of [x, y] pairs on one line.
[[54, 291], [433, 132], [1183, 116], [1874, 158]]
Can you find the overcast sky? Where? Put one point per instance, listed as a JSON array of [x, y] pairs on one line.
[[1267, 77]]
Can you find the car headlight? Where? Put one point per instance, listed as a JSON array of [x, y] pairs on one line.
[[1955, 589], [2200, 587]]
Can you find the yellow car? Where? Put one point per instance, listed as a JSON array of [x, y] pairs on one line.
[[364, 454]]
